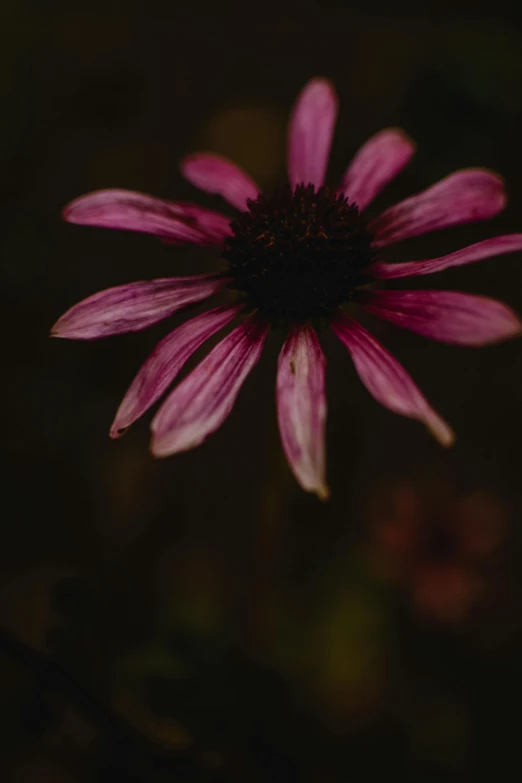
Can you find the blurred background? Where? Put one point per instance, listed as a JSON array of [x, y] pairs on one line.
[[201, 618]]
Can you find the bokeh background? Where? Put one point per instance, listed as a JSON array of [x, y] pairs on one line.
[[201, 618]]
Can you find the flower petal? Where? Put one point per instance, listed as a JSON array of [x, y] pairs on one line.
[[462, 197], [310, 133], [165, 362], [377, 163], [126, 209], [301, 408], [448, 316], [131, 307], [386, 379], [203, 400], [215, 174], [495, 246], [213, 224]]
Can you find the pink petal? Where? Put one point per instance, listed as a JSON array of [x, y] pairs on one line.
[[310, 133], [462, 197], [447, 316], [377, 163], [165, 362], [215, 174], [214, 225], [203, 400], [495, 246], [386, 379], [301, 408], [131, 307], [126, 209]]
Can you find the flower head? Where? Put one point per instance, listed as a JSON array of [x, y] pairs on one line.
[[288, 253], [294, 258]]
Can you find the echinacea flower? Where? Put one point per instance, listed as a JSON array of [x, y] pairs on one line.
[[295, 258]]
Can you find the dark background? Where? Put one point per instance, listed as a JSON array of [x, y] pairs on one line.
[[203, 618]]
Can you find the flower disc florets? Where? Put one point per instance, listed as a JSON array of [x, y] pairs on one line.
[[298, 253]]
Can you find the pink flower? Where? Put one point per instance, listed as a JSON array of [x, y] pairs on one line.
[[294, 258]]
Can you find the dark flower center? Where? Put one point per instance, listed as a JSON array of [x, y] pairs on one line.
[[298, 254]]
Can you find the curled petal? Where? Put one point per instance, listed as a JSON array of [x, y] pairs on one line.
[[495, 246], [126, 209], [462, 197], [448, 316], [310, 133], [131, 307], [301, 408], [165, 362], [377, 163], [203, 400], [386, 379], [215, 174]]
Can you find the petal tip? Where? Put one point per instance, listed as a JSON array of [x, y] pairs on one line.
[[513, 329], [508, 327], [499, 182], [322, 492], [118, 431], [159, 449], [71, 212], [154, 450], [441, 431], [401, 134], [502, 199], [320, 82], [56, 331], [66, 211], [321, 89], [186, 160]]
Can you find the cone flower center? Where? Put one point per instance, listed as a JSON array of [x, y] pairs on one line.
[[298, 254]]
